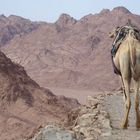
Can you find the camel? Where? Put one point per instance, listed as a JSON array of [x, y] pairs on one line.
[[127, 62]]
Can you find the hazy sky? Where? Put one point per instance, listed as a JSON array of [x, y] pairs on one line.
[[50, 10]]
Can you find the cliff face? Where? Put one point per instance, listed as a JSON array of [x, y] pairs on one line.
[[24, 105], [71, 53]]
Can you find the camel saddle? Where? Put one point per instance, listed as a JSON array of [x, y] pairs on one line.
[[120, 36]]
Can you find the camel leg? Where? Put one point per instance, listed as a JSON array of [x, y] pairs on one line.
[[121, 82], [136, 90], [127, 104], [123, 89]]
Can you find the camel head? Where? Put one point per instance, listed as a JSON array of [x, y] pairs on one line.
[[114, 32]]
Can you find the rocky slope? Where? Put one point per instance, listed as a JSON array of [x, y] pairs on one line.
[[98, 120], [71, 53], [88, 122], [24, 105]]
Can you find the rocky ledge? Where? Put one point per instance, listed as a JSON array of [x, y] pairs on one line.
[[98, 120], [87, 122]]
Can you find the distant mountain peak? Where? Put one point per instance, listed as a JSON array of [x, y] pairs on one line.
[[2, 16], [17, 18], [14, 16], [122, 9], [66, 19], [105, 11]]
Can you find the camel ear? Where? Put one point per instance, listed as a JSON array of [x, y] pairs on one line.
[[111, 35], [114, 32], [118, 28]]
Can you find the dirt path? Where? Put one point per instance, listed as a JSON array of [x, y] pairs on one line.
[[114, 106]]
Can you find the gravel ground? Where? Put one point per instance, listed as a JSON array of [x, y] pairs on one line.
[[114, 106]]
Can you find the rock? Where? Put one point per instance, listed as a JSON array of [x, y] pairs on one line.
[[106, 134], [97, 130], [87, 119], [91, 101], [106, 124], [52, 132], [91, 138], [76, 128]]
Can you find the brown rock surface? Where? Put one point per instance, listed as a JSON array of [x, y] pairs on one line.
[[24, 105]]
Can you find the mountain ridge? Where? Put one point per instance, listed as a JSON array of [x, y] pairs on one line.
[[71, 53]]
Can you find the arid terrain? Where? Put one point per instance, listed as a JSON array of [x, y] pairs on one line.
[[41, 63]]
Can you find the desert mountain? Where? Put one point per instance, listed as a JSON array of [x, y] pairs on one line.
[[71, 53], [24, 105], [14, 25]]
